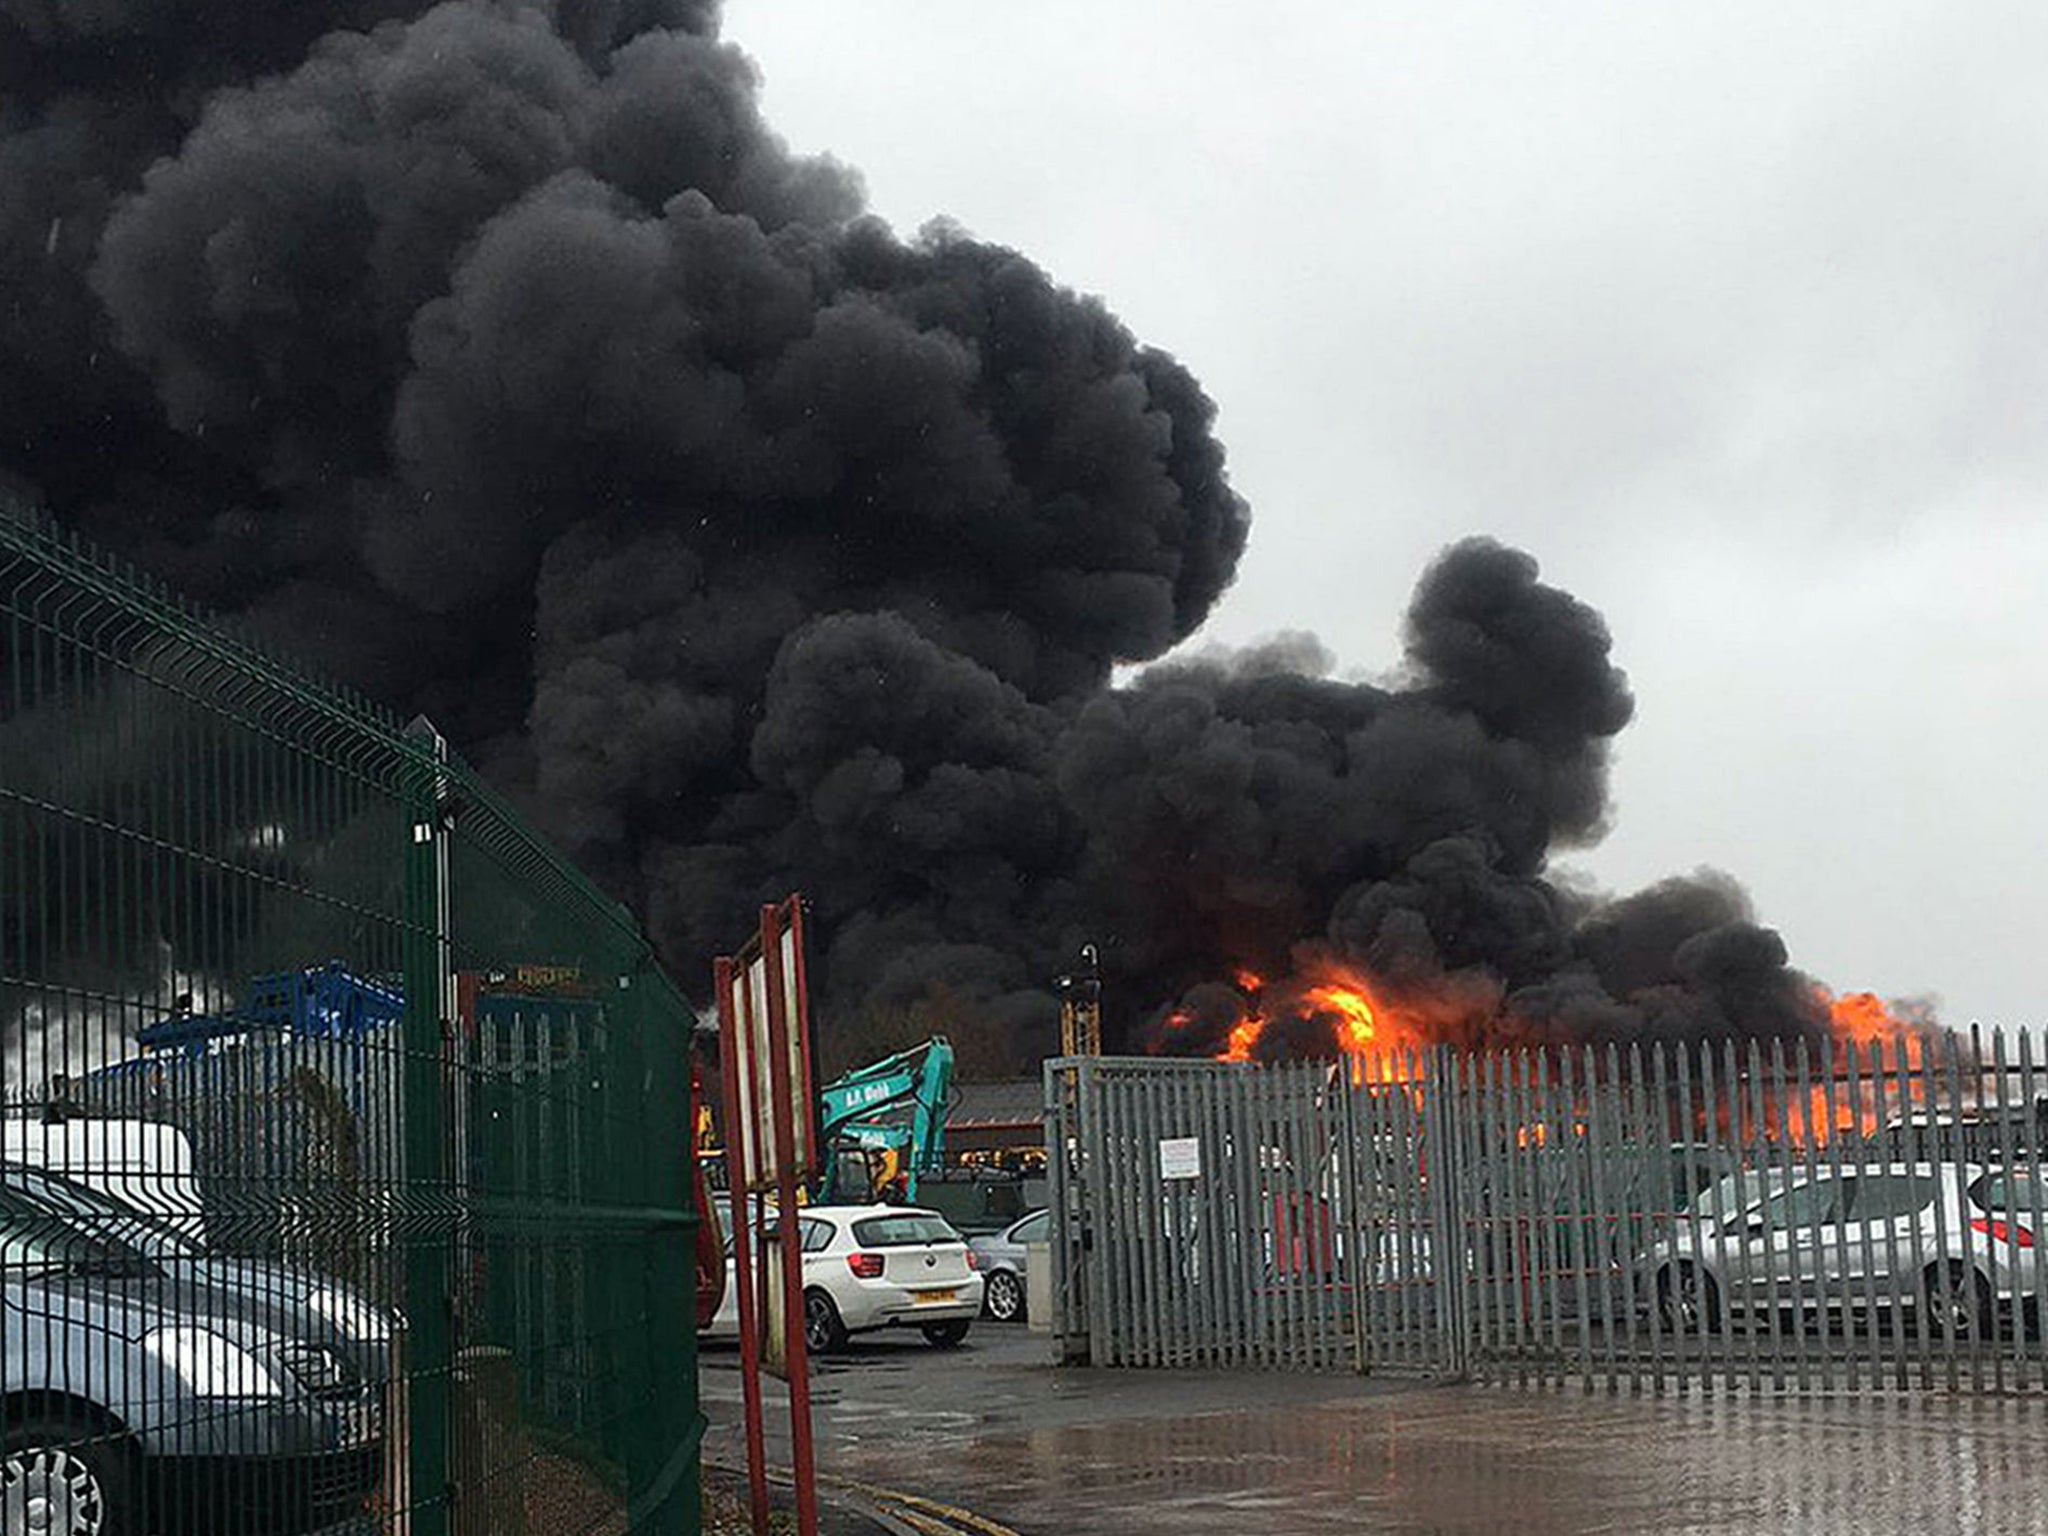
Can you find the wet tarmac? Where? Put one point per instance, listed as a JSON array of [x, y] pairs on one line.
[[1069, 1452]]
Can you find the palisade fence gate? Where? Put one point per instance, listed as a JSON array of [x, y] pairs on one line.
[[398, 1094], [1828, 1216]]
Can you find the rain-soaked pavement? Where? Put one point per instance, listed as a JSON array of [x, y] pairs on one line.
[[1070, 1452]]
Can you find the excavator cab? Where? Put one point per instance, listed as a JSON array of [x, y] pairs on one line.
[[864, 1175], [849, 1177]]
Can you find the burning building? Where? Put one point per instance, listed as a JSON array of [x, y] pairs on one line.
[[1332, 1009]]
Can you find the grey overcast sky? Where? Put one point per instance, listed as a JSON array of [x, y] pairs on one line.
[[1735, 315]]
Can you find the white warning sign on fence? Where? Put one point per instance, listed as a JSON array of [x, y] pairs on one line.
[[1180, 1157]]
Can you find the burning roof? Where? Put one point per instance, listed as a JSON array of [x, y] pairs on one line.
[[1331, 1009]]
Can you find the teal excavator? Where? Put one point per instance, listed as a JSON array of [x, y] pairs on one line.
[[883, 1126]]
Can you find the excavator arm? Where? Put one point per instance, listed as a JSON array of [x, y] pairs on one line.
[[897, 1107]]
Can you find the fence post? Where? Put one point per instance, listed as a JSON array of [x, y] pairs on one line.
[[429, 1298], [1445, 1168], [664, 1470], [1068, 1179]]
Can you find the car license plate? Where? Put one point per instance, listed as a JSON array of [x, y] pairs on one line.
[[928, 1298]]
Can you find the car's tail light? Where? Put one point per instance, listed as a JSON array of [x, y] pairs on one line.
[[2004, 1232], [865, 1266], [972, 1261]]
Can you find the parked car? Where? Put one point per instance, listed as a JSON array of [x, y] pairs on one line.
[[1005, 1263], [143, 1163], [1551, 1204], [980, 1201], [1948, 1244], [293, 1299], [870, 1267], [138, 1395]]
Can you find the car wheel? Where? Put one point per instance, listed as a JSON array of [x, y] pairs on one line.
[[945, 1335], [824, 1332], [1004, 1297], [1956, 1302], [1688, 1301], [67, 1479]]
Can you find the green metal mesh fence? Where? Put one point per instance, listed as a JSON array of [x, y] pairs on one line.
[[345, 1181]]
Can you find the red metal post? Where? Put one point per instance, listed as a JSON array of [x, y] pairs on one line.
[[803, 1463], [800, 1015], [737, 1102]]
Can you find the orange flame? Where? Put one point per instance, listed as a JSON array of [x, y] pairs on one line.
[[1862, 1022], [1374, 1035], [1370, 1034], [1829, 1115], [1357, 1025], [1243, 1037], [1354, 1011]]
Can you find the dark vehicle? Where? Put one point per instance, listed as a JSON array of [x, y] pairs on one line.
[[982, 1201], [1005, 1262], [148, 1387], [1595, 1216]]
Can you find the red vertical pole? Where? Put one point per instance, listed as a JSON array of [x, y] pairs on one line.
[[800, 1016], [738, 1105], [781, 1033]]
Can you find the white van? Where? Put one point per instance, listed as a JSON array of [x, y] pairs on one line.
[[144, 1162]]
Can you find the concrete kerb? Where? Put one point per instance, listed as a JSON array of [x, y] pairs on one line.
[[847, 1507]]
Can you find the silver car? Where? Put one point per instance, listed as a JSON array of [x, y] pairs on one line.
[[145, 1387], [1005, 1262], [1950, 1244]]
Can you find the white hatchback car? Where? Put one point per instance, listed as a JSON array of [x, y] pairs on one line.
[[868, 1267]]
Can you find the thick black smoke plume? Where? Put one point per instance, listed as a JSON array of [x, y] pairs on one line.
[[498, 353]]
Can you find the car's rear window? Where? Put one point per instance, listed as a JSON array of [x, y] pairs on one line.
[[901, 1231], [2011, 1193]]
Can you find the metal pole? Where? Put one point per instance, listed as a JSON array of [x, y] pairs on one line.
[[2030, 1284], [784, 1085], [737, 1109], [429, 1295]]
